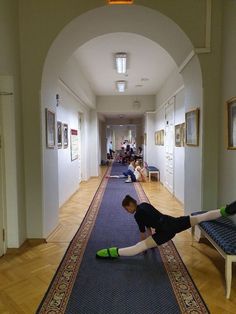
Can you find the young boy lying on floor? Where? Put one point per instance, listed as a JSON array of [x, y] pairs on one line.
[[165, 226]]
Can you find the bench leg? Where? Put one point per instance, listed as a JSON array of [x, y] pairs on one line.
[[193, 234], [149, 176], [228, 275]]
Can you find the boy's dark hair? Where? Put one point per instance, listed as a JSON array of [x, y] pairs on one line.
[[127, 200]]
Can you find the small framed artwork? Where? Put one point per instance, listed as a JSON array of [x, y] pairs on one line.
[[74, 144], [162, 137], [159, 137], [156, 137], [145, 139], [59, 134], [231, 113], [50, 129], [183, 131], [65, 135], [178, 137], [192, 127]]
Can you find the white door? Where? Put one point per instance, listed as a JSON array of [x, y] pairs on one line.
[[169, 145], [2, 244]]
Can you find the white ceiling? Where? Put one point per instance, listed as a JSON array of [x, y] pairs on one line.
[[146, 59]]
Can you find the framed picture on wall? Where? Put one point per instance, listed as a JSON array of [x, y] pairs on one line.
[[65, 135], [59, 134], [231, 113], [162, 137], [156, 137], [74, 144], [145, 139], [183, 132], [178, 137], [159, 137], [50, 129], [192, 127]]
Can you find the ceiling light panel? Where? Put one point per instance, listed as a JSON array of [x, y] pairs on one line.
[[121, 86], [121, 62]]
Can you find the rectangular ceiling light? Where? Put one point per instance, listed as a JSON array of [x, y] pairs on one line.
[[121, 63], [120, 1], [121, 86]]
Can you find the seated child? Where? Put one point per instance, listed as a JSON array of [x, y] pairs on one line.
[[139, 174]]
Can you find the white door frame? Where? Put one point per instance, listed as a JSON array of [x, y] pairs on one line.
[[3, 214], [9, 164]]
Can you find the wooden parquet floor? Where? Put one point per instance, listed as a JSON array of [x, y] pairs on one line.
[[26, 273]]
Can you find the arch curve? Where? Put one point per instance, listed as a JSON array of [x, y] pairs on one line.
[[111, 19]]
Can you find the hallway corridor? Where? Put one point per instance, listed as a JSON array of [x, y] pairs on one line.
[[98, 86]]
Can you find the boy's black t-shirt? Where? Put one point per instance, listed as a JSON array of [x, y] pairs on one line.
[[148, 216]]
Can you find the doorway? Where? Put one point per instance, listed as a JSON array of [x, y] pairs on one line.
[[169, 145]]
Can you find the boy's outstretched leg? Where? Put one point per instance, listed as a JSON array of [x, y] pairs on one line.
[[225, 211], [128, 251]]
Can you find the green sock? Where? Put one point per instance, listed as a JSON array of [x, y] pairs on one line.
[[223, 212], [108, 253]]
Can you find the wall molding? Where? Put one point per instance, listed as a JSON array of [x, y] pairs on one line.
[[186, 61], [74, 94], [169, 98], [207, 48]]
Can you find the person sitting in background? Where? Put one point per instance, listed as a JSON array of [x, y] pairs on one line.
[[139, 174], [131, 168], [130, 173], [124, 145]]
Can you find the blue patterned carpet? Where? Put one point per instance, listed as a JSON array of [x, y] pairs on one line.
[[134, 285], [131, 285]]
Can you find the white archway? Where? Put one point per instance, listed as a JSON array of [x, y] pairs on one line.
[[110, 19]]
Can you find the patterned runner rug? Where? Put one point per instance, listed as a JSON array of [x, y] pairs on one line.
[[153, 283]]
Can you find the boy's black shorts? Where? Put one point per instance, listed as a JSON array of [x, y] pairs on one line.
[[170, 227]]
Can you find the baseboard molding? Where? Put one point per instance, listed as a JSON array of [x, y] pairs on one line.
[[182, 204], [69, 197], [25, 244]]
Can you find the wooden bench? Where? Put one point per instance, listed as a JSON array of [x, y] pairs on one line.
[[222, 235]]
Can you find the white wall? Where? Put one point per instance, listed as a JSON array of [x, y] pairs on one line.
[[73, 96], [125, 104], [69, 172], [227, 167], [155, 155], [193, 155], [73, 76], [179, 152]]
